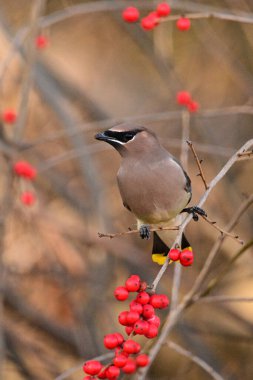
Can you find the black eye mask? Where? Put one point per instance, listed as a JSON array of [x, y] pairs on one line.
[[123, 137]]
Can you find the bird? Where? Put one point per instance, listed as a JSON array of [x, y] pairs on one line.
[[153, 185]]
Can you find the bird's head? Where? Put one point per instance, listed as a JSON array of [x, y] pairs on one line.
[[129, 139]]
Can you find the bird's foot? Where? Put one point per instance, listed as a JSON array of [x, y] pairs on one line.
[[195, 211], [145, 231]]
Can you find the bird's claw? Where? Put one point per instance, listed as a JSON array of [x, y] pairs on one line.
[[195, 211], [145, 231]]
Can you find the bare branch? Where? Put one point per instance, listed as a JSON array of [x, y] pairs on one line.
[[198, 163], [111, 236], [196, 359], [222, 231], [225, 299]]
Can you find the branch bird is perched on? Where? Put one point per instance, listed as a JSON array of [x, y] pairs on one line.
[[152, 184]]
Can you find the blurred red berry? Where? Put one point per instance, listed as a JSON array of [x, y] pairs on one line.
[[111, 341], [150, 21], [132, 284], [131, 347], [186, 257], [28, 198], [24, 169], [174, 254], [136, 306], [141, 327], [163, 9], [183, 23], [130, 14], [120, 361], [122, 318], [183, 98], [119, 337], [88, 377], [130, 366], [41, 41], [155, 320], [142, 360], [159, 301], [9, 116], [92, 367], [132, 317], [148, 311], [152, 331], [193, 106], [129, 330], [112, 372], [143, 298], [102, 374], [121, 293]]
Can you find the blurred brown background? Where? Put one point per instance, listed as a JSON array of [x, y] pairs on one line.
[[57, 276]]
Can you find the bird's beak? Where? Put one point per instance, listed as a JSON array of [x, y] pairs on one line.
[[101, 136]]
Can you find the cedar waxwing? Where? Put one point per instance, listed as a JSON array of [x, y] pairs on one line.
[[152, 184]]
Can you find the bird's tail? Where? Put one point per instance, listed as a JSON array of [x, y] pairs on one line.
[[161, 249]]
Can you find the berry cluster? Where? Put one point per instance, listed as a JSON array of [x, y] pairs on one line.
[[184, 99], [140, 319], [25, 170], [149, 22], [185, 257]]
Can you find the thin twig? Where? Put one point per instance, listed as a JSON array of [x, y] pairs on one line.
[[225, 299], [198, 163], [196, 359], [111, 236], [222, 231]]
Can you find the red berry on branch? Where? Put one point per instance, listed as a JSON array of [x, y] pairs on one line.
[[88, 377], [174, 254], [129, 330], [132, 284], [150, 21], [130, 14], [132, 317], [136, 306], [41, 42], [24, 169], [183, 23], [112, 372], [183, 98], [102, 374], [186, 257], [130, 366], [159, 301], [121, 293], [142, 360], [28, 198], [163, 9], [120, 338], [193, 106], [92, 367], [143, 286], [141, 327], [111, 341], [120, 361], [148, 311], [131, 347], [152, 331], [143, 298], [122, 318], [9, 116], [155, 320]]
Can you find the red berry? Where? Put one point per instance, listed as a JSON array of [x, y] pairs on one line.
[[155, 320], [148, 311], [152, 331], [41, 42], [132, 284], [163, 9], [150, 21], [120, 361], [132, 317], [143, 286], [130, 14], [121, 293], [92, 367], [143, 298], [9, 116], [159, 301], [141, 327], [131, 347], [123, 318], [136, 277], [129, 330], [27, 198], [142, 360], [186, 257], [136, 306], [111, 341], [183, 24], [119, 337], [102, 374], [174, 254], [112, 372], [130, 366], [24, 169], [88, 377], [193, 106], [183, 98]]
